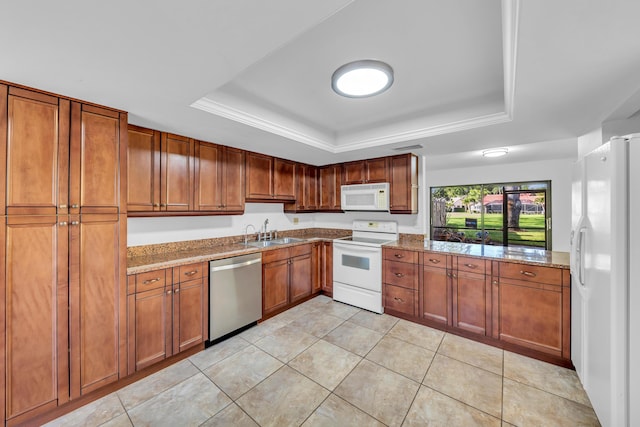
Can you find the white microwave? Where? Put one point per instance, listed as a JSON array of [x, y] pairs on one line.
[[365, 197]]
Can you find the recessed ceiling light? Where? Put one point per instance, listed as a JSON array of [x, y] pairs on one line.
[[495, 152], [360, 79]]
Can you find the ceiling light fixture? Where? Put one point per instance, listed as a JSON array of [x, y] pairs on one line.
[[361, 79], [495, 152]]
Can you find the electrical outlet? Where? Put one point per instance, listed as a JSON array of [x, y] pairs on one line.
[[296, 220]]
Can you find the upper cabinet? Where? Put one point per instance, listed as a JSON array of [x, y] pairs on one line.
[[329, 182], [176, 173], [306, 184], [366, 171], [269, 178], [219, 178], [403, 178]]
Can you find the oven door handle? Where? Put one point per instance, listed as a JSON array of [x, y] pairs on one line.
[[356, 249]]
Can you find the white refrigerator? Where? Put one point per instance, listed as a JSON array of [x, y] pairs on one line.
[[605, 269]]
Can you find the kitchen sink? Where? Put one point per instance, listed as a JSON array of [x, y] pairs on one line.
[[275, 242]]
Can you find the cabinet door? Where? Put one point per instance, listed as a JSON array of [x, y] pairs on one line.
[[275, 285], [284, 172], [472, 302], [530, 315], [403, 180], [376, 170], [436, 295], [96, 302], [329, 182], [176, 170], [188, 314], [355, 172], [150, 318], [143, 170], [233, 180], [327, 268], [94, 174], [208, 171], [301, 277], [316, 265], [259, 176], [36, 127], [35, 292]]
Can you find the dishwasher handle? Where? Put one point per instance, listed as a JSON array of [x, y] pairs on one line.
[[234, 266]]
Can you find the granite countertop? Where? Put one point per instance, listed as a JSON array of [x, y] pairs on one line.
[[139, 262], [502, 253]]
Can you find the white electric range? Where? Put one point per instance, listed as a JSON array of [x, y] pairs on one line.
[[357, 264]]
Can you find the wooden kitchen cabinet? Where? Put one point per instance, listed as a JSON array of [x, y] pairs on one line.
[[366, 171], [533, 306], [471, 296], [143, 169], [316, 265], [287, 276], [403, 181], [327, 268], [306, 190], [65, 189], [167, 313], [329, 187], [400, 281], [436, 288], [269, 178], [161, 172], [219, 178]]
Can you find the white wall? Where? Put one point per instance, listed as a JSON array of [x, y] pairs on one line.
[[557, 171]]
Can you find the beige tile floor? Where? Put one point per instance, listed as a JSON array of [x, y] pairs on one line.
[[324, 363]]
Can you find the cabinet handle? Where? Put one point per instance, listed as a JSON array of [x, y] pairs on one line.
[[176, 291], [471, 266], [399, 274], [399, 256], [190, 273], [75, 222], [74, 206], [63, 206], [146, 282], [452, 275], [169, 292], [528, 273], [63, 223], [398, 299], [435, 261]]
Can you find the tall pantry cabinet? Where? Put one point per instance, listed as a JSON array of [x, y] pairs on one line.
[[64, 245]]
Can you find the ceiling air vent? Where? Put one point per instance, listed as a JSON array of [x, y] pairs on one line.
[[408, 147]]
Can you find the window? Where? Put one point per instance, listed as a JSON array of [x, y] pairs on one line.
[[507, 214]]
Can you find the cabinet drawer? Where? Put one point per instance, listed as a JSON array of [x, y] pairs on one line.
[[434, 259], [399, 299], [300, 250], [275, 255], [401, 274], [150, 280], [188, 272], [401, 255], [472, 265], [531, 273]]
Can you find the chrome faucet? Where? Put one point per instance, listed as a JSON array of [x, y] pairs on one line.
[[246, 229], [263, 235]]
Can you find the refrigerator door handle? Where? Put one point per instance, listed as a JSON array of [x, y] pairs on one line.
[[580, 256]]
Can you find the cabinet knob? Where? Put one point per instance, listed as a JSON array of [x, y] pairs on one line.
[[63, 223], [75, 222], [74, 206], [177, 290], [169, 292], [156, 205], [495, 282], [63, 206], [471, 266], [527, 273]]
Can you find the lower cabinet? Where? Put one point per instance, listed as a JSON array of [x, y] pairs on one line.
[[326, 269], [522, 307], [167, 313], [286, 277]]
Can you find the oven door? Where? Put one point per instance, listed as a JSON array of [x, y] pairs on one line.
[[357, 265]]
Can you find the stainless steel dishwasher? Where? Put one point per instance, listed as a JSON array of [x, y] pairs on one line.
[[235, 294]]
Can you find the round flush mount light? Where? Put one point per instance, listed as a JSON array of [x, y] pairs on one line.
[[495, 152], [361, 79]]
